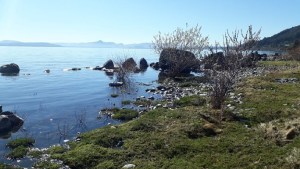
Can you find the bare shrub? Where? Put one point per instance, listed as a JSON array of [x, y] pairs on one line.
[[122, 73], [80, 119], [189, 39], [221, 84], [236, 47], [63, 131]]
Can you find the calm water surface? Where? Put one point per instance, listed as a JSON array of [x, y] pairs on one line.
[[61, 98]]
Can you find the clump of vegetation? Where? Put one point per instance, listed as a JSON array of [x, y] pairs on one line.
[[143, 102], [125, 114], [25, 142], [5, 166], [47, 165], [126, 102], [35, 153], [56, 149], [191, 101], [20, 147], [18, 152]]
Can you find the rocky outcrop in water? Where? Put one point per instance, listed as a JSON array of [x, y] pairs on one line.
[[109, 64], [10, 69], [9, 122], [129, 64], [143, 64]]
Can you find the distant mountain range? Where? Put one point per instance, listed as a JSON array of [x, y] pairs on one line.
[[281, 40], [97, 44], [17, 43]]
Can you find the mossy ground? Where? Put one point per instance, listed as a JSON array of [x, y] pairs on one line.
[[19, 147], [165, 138]]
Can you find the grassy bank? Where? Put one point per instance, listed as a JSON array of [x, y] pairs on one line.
[[192, 137]]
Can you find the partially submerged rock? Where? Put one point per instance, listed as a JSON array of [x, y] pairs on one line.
[[109, 64], [10, 69], [9, 122], [143, 64], [129, 64], [116, 84]]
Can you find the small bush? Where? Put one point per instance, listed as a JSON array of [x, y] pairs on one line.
[[17, 153], [56, 150], [125, 114], [35, 153], [25, 142]]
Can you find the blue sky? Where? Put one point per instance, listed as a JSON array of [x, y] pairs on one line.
[[134, 21]]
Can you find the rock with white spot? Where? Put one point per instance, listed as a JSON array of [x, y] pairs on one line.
[[128, 166]]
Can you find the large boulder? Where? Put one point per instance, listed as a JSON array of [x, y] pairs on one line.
[[10, 69], [178, 60], [109, 64], [143, 64], [10, 122], [129, 64]]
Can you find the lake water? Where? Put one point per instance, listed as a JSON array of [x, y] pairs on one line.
[[61, 98]]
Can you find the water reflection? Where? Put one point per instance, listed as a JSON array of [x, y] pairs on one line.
[[9, 74]]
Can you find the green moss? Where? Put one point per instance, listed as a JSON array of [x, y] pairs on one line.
[[35, 153], [47, 165], [279, 63], [109, 164], [90, 156], [144, 102], [266, 100], [25, 142], [5, 166], [17, 153], [56, 150], [125, 114], [126, 102]]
